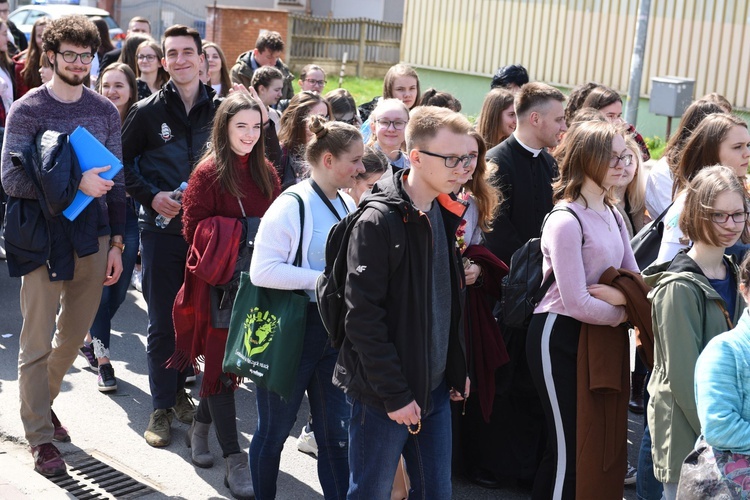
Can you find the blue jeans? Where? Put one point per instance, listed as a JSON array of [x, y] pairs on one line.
[[163, 257], [376, 442], [647, 487], [330, 418], [114, 295]]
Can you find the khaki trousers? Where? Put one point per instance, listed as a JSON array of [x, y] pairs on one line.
[[44, 358]]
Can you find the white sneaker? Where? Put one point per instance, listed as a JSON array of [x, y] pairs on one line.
[[136, 281], [306, 443], [630, 475]]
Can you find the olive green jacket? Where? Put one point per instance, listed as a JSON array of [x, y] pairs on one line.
[[686, 313]]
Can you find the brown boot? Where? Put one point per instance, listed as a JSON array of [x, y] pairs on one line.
[[636, 393]]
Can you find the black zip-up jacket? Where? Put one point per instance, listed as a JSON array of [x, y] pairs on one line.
[[384, 360], [161, 145]]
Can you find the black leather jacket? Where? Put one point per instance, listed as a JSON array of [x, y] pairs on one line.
[[384, 360]]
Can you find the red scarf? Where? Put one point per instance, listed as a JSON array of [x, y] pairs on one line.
[[211, 260]]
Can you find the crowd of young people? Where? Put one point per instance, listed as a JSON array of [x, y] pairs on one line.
[[429, 381]]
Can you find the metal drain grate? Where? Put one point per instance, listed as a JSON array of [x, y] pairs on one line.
[[89, 478]]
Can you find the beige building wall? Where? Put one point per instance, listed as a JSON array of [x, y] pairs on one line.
[[567, 42]]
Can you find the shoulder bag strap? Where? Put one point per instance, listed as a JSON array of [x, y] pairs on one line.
[[298, 257], [328, 203]]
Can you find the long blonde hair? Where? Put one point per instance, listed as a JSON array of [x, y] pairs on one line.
[[636, 190]]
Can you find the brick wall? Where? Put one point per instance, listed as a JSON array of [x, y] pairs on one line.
[[235, 29]]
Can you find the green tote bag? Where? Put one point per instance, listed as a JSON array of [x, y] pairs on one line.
[[267, 331]]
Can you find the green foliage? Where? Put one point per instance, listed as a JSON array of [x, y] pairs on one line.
[[656, 146], [362, 89]]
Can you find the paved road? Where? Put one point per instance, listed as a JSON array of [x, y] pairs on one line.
[[110, 427]]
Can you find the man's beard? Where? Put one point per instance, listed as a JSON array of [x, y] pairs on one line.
[[72, 80]]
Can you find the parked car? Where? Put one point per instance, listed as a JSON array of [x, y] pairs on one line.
[[24, 17]]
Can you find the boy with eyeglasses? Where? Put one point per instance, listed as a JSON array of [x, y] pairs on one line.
[[403, 358], [80, 255]]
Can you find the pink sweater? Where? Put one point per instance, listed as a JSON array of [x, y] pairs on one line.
[[577, 267]]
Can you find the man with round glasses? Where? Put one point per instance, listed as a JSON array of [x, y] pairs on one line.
[[80, 255]]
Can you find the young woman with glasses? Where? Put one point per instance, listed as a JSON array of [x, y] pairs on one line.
[[694, 298], [720, 139], [151, 74], [578, 247], [312, 78], [387, 125], [400, 82]]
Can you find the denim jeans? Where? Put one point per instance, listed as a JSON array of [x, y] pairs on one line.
[[114, 295], [647, 487], [163, 257], [376, 442], [330, 418]]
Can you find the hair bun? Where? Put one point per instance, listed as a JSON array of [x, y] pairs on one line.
[[318, 127]]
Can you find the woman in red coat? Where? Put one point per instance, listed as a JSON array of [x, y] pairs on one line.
[[232, 182]]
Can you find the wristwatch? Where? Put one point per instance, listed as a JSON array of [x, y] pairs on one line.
[[121, 246]]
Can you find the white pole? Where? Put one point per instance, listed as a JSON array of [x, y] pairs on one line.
[[343, 70]]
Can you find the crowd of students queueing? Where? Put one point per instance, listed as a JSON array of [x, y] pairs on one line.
[[602, 196]]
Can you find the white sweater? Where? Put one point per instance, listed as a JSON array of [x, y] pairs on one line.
[[278, 236]]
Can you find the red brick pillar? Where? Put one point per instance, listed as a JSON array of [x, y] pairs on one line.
[[235, 29]]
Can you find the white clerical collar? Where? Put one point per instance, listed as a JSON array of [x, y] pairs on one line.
[[531, 150]]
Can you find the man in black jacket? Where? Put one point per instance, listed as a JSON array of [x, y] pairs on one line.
[[166, 134], [524, 174], [403, 357]]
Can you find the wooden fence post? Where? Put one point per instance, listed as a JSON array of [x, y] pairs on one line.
[[290, 39], [362, 47]]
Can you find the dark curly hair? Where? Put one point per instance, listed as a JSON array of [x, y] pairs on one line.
[[77, 30]]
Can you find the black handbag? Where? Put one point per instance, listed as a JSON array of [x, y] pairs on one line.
[[646, 243], [221, 297]]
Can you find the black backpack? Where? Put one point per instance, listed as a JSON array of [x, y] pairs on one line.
[[329, 289], [522, 288]]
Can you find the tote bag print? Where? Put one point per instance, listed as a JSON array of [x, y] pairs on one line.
[[266, 335]]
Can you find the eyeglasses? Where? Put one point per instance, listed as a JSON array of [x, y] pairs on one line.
[[317, 83], [626, 160], [397, 125], [70, 57], [147, 57], [722, 218], [350, 121], [452, 161]]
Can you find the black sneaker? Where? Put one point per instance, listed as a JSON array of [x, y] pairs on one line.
[[107, 381], [87, 351]]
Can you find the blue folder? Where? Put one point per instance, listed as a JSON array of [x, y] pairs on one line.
[[91, 154]]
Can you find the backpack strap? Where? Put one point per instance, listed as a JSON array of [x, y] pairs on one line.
[[551, 278]]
